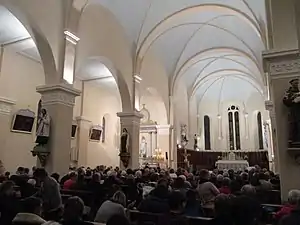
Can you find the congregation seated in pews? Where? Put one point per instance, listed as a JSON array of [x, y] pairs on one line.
[[145, 196]]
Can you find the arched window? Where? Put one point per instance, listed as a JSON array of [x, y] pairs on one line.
[[103, 129], [260, 132], [234, 128], [207, 133]]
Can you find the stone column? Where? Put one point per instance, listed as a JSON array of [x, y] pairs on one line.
[[151, 144], [131, 121], [59, 100], [6, 106], [282, 66], [84, 127], [164, 132]]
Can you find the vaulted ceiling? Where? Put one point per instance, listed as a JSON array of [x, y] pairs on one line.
[[213, 46]]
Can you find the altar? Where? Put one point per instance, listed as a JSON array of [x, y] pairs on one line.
[[231, 161], [232, 164]]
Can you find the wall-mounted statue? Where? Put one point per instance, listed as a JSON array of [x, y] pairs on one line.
[[183, 132], [143, 147], [43, 128], [124, 141], [292, 101], [196, 138]]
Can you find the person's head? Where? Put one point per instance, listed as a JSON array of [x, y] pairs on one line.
[[55, 176], [172, 171], [226, 182], [178, 183], [32, 182], [248, 190], [20, 170], [294, 197], [7, 174], [262, 176], [7, 188], [32, 205], [117, 220], [204, 174], [125, 130], [161, 192], [163, 182], [73, 176], [96, 177], [40, 174], [138, 174], [177, 201], [154, 177], [33, 168], [120, 198], [26, 171], [223, 205], [73, 210]]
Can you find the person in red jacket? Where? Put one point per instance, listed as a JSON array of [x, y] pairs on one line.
[[293, 199], [71, 181], [225, 189]]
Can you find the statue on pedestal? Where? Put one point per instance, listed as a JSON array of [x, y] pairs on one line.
[[124, 141], [43, 128], [183, 131], [143, 148], [292, 101], [42, 135], [124, 148], [196, 137]]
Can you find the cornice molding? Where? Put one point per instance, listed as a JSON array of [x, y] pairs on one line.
[[282, 64], [6, 105]]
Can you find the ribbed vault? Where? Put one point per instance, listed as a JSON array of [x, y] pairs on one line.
[[212, 46]]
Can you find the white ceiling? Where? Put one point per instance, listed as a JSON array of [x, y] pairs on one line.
[[13, 35], [203, 43]]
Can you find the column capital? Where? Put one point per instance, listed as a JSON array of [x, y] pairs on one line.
[[6, 105], [58, 94], [130, 114], [284, 63]]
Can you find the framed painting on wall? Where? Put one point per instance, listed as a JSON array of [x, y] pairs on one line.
[[23, 121], [95, 133]]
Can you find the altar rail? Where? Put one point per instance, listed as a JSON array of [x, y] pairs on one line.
[[206, 159]]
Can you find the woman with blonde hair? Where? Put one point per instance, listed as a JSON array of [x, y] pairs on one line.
[[115, 206]]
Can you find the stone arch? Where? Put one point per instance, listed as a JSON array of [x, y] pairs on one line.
[[113, 48], [122, 86], [40, 40]]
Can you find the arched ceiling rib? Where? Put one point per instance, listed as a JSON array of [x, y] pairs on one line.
[[203, 43]]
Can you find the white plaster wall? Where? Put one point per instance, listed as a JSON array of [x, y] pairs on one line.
[[180, 108], [248, 142], [102, 99], [18, 80]]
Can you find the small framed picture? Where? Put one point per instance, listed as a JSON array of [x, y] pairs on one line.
[[95, 133], [23, 121], [74, 130]]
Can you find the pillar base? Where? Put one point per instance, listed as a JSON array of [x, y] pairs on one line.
[[125, 158], [42, 153]]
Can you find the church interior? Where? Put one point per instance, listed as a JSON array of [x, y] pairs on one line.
[[189, 84]]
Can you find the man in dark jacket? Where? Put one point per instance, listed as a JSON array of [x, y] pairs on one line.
[[157, 201]]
